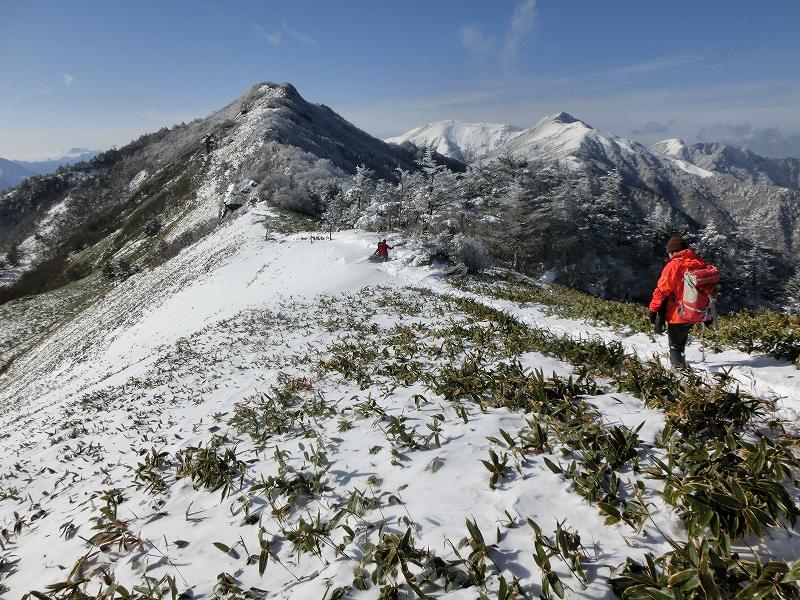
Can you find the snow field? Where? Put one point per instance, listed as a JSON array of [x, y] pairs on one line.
[[306, 364], [359, 456]]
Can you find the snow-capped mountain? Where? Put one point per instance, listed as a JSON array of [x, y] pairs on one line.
[[705, 181], [466, 142], [556, 136], [741, 163], [562, 137]]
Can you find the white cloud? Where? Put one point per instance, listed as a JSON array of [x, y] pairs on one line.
[[277, 36], [274, 38], [300, 36], [522, 23], [658, 64], [474, 40], [68, 79], [42, 91]]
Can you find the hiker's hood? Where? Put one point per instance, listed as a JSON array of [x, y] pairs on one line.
[[689, 258]]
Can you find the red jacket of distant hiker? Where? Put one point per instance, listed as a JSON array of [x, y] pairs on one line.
[[383, 249], [670, 285]]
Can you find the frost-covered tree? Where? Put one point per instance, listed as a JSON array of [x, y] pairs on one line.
[[473, 254], [378, 215], [792, 294], [438, 193], [360, 192], [516, 211], [509, 167], [657, 228], [476, 184], [755, 270], [409, 187], [337, 214], [711, 241], [14, 255], [606, 218]]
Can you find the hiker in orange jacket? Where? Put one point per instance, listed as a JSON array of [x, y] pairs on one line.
[[668, 293]]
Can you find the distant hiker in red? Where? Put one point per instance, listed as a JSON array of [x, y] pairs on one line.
[[686, 293], [383, 250]]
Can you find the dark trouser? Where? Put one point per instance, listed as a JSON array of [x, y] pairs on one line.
[[678, 334]]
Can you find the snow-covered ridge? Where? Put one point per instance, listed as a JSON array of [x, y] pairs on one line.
[[674, 147], [692, 169], [676, 150], [463, 141], [557, 136]]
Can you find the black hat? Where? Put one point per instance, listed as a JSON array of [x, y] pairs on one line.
[[676, 244]]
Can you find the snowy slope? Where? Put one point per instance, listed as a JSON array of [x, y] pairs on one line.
[[674, 147], [678, 152], [466, 142], [189, 355]]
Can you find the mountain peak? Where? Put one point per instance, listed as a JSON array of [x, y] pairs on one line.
[[462, 141], [674, 147], [560, 117]]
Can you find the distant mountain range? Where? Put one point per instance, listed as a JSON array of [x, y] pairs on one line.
[[707, 181], [13, 172]]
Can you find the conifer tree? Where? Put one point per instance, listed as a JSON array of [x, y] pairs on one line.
[[792, 293], [439, 189]]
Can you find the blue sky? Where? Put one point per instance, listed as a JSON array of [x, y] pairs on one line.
[[93, 74]]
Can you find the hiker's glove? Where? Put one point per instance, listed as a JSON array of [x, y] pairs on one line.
[[653, 316], [658, 326]]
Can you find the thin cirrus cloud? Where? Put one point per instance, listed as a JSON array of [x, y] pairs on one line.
[[474, 40], [68, 79], [521, 24], [658, 64], [276, 37]]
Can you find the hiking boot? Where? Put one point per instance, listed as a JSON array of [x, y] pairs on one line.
[[676, 359]]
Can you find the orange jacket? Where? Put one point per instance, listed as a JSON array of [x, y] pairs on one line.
[[670, 285]]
